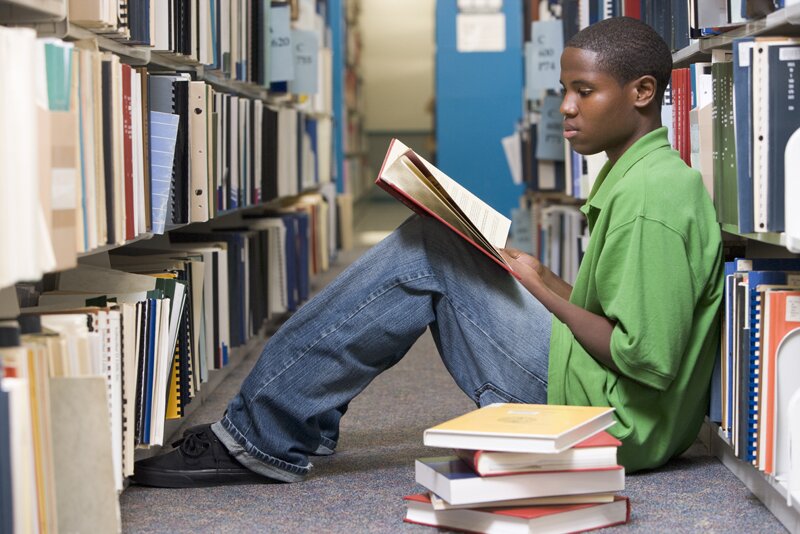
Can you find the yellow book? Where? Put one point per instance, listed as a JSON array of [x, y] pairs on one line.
[[520, 428], [174, 408]]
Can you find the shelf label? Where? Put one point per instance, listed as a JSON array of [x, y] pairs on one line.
[[543, 65], [306, 54], [281, 65]]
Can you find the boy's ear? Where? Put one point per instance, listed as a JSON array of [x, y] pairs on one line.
[[644, 89]]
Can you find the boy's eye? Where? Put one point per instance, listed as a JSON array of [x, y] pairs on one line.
[[585, 92]]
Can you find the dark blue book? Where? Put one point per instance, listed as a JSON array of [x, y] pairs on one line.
[[742, 58], [303, 259], [570, 18], [6, 493], [149, 373], [784, 120], [290, 223]]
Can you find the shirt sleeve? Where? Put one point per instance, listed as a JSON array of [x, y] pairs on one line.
[[646, 286]]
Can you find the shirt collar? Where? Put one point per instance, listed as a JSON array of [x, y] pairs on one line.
[[609, 175]]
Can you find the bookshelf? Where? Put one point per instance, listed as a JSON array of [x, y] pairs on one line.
[[24, 11], [766, 487], [782, 22], [775, 23], [307, 204]]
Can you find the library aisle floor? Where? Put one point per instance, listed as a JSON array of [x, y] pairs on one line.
[[360, 489]]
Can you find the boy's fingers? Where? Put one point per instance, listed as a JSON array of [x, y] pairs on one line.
[[514, 253]]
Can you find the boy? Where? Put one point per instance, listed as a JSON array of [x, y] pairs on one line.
[[637, 332]]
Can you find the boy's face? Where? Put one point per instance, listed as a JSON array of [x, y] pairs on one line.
[[599, 113]]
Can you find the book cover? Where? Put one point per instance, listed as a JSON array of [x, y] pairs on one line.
[[581, 498], [455, 482], [127, 141], [521, 427], [428, 191], [782, 319], [86, 497], [742, 52], [754, 353], [555, 518], [6, 494], [595, 452], [787, 371], [784, 120]]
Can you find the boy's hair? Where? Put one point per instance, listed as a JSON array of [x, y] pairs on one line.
[[627, 48]]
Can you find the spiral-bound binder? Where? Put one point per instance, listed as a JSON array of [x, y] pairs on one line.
[[755, 316]]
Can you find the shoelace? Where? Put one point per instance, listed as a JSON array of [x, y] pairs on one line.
[[193, 444]]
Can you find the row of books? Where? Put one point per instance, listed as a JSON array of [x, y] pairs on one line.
[[104, 153], [522, 468], [679, 22], [762, 83], [56, 466], [552, 231], [757, 379], [733, 119], [280, 45], [152, 327]]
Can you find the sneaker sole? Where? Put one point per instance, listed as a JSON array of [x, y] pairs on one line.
[[196, 479]]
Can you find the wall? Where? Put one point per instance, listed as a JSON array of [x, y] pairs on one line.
[[398, 63]]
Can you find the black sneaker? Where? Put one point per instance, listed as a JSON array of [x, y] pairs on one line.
[[200, 460]]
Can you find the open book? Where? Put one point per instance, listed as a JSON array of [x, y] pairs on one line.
[[428, 191]]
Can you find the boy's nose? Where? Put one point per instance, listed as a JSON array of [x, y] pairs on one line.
[[568, 108]]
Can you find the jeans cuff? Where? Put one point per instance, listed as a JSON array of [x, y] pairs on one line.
[[255, 460]]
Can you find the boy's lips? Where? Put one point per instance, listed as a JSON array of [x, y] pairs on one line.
[[570, 132]]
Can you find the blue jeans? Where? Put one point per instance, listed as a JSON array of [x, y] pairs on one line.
[[493, 337]]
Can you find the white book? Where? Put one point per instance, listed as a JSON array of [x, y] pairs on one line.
[[454, 481], [161, 17], [163, 364]]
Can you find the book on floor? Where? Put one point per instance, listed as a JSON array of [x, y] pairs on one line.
[[539, 519], [581, 498], [455, 482], [594, 452], [425, 189], [512, 427]]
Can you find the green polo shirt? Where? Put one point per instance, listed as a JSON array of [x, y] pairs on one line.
[[653, 266]]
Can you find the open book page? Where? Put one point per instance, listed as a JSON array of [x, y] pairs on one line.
[[404, 175], [492, 225], [416, 183]]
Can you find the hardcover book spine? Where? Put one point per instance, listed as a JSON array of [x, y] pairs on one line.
[[784, 119], [742, 131]]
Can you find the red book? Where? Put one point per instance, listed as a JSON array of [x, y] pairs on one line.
[[557, 518], [632, 8], [681, 106], [428, 191], [596, 452], [127, 141]]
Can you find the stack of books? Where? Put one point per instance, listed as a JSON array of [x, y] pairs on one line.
[[522, 468]]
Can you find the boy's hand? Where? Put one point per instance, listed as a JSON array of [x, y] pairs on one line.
[[530, 269], [534, 275]]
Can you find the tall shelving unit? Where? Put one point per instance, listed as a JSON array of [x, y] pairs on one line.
[[50, 19], [773, 493]]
